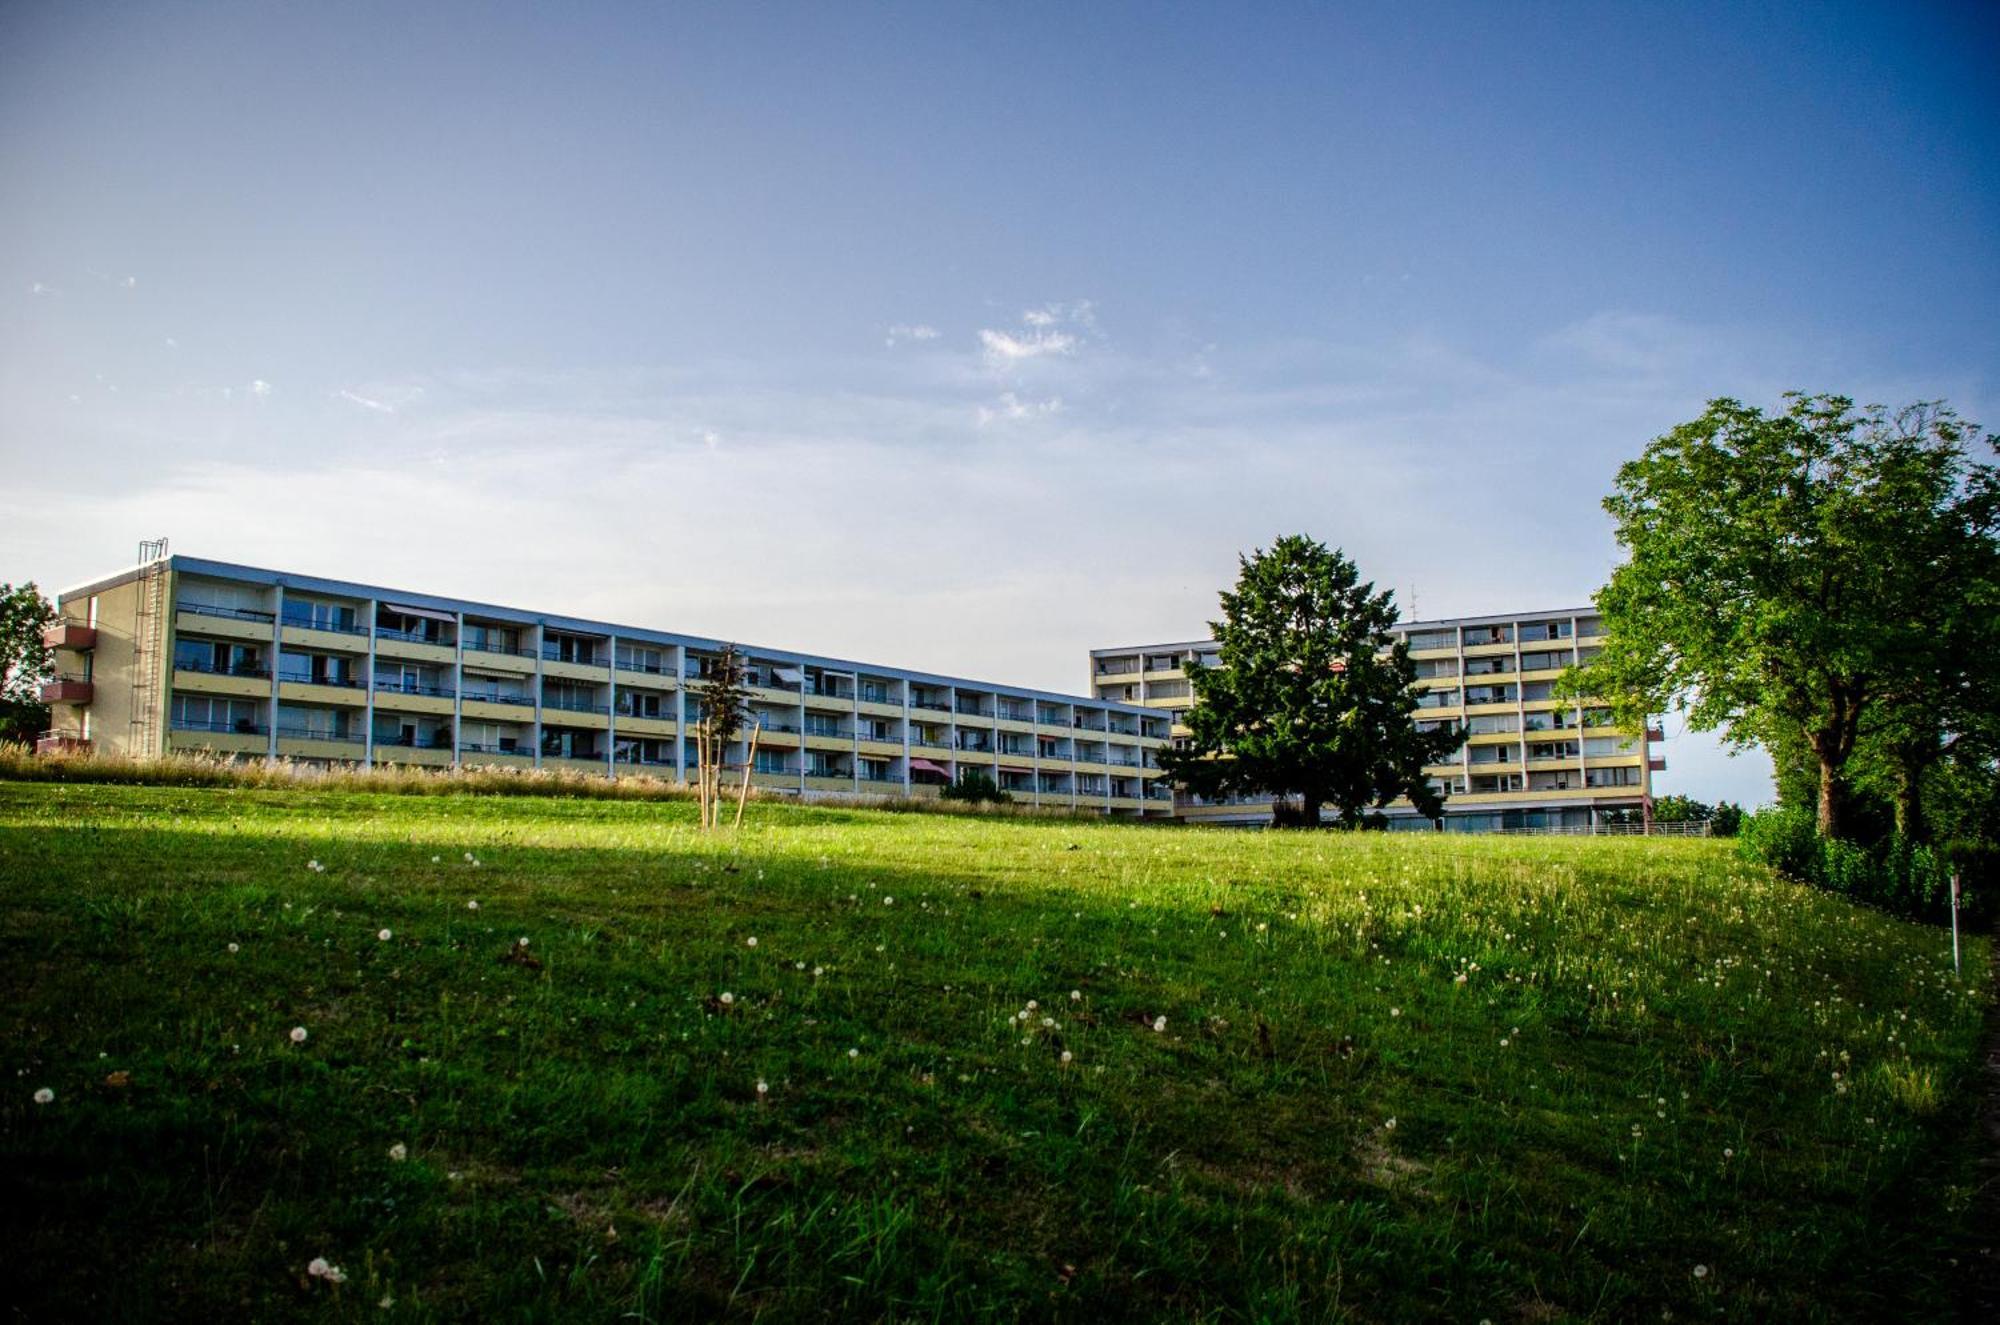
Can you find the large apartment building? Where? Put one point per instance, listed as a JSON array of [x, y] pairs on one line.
[[1528, 761], [184, 654]]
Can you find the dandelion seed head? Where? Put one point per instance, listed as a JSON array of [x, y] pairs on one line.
[[298, 1035], [45, 1096]]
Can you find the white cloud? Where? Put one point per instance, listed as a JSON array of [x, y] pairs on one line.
[[380, 407], [1010, 406], [260, 388], [1051, 331], [904, 331]]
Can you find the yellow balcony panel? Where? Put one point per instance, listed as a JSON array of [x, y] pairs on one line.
[[301, 692], [519, 760], [1543, 674], [568, 671], [1481, 710], [880, 710], [596, 722], [888, 748], [1548, 705], [404, 650], [592, 766], [1127, 803], [222, 743], [1494, 738], [395, 701], [830, 785], [499, 662], [660, 681], [221, 627], [209, 683], [317, 747], [1488, 650], [333, 641], [630, 726], [486, 710], [415, 755], [784, 699], [1164, 674], [770, 781], [770, 740], [1017, 726], [828, 704], [1449, 651], [934, 753], [817, 741], [1093, 766]]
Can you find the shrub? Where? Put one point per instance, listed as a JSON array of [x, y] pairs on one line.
[[1904, 878], [975, 785]]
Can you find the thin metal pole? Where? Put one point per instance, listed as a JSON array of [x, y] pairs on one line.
[[1954, 922]]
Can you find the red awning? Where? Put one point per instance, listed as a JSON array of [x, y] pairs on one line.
[[926, 766]]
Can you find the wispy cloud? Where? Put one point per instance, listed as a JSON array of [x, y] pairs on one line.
[[1053, 330], [907, 331], [354, 397], [1012, 407]]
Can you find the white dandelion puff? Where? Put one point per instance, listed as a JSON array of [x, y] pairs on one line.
[[298, 1035], [45, 1096]]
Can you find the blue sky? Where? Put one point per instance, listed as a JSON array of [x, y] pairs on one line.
[[960, 336]]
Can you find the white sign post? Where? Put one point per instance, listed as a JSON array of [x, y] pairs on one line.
[[1954, 922]]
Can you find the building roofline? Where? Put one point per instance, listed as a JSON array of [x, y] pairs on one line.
[[1484, 619], [584, 625]]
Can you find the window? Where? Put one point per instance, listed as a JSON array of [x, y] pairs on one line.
[[1489, 724], [1433, 639], [313, 614], [209, 714]]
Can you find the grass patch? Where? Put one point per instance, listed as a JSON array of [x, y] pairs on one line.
[[1010, 1068]]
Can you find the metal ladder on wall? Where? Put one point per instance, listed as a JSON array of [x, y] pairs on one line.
[[148, 638]]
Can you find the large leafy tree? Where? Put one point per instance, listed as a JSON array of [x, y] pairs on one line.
[[1312, 695], [24, 661], [1799, 580]]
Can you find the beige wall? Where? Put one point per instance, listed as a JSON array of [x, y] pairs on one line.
[[113, 729]]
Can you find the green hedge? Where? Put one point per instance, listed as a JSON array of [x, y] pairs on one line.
[[1904, 878]]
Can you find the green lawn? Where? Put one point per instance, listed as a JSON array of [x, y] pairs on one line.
[[1397, 1077]]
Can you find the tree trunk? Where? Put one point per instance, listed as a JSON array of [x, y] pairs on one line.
[[1832, 799], [1911, 825], [1309, 811]]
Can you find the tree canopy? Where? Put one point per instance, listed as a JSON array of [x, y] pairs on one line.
[[24, 661], [1312, 696], [1807, 581]]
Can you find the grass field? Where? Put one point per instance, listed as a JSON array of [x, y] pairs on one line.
[[858, 1065]]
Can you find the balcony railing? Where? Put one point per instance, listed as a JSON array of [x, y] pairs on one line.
[[314, 734], [414, 742], [411, 637], [308, 679], [323, 625], [224, 727], [476, 748], [227, 669], [229, 613], [66, 690], [383, 687], [574, 705], [647, 669], [487, 644], [499, 697], [551, 653]]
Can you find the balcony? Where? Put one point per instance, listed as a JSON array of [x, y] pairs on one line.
[[66, 690], [70, 635], [61, 743]]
